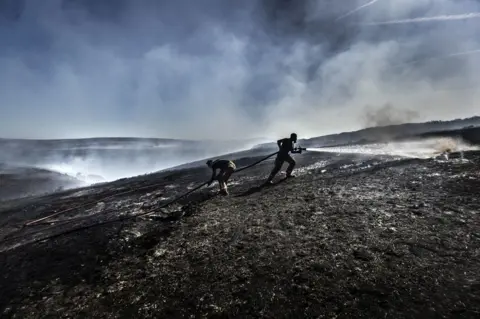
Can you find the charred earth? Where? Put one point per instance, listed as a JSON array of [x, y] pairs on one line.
[[352, 236]]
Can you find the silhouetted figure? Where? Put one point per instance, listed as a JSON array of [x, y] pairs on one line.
[[226, 168], [286, 146]]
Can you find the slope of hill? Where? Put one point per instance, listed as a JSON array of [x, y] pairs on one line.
[[352, 236]]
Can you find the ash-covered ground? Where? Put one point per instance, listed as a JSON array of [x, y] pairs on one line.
[[352, 236]]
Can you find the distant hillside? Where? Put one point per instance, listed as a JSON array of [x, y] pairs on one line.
[[112, 158], [393, 132], [13, 149], [384, 133], [18, 182], [101, 142]]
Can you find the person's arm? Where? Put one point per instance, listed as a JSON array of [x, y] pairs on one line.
[[279, 143]]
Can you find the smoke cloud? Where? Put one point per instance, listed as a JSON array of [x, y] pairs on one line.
[[221, 69], [388, 115]]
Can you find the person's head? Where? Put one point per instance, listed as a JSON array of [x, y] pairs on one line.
[[293, 137], [209, 163]]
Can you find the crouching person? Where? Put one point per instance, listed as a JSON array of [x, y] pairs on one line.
[[226, 168]]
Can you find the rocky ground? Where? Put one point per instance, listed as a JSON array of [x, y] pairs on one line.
[[349, 237]]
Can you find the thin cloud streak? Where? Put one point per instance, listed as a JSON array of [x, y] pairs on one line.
[[356, 10], [465, 16]]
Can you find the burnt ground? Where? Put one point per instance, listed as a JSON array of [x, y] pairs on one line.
[[349, 237]]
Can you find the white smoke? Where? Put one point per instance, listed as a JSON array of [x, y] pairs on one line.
[[425, 148], [212, 69]]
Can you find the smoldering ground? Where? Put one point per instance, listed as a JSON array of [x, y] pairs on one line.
[[372, 237], [225, 69], [415, 148]]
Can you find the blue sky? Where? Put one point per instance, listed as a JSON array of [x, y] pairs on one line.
[[231, 69]]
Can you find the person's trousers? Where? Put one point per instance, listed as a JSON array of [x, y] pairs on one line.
[[282, 158], [224, 176]]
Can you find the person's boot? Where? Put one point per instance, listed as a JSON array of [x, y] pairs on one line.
[[224, 192], [269, 181]]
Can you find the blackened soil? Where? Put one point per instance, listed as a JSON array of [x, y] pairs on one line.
[[362, 237]]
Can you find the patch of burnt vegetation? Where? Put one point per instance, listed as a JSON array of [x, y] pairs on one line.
[[359, 237]]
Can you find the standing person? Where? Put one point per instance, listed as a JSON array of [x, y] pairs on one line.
[[226, 168], [286, 146]]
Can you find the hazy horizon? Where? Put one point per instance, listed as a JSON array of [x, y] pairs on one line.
[[396, 122], [235, 70]]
